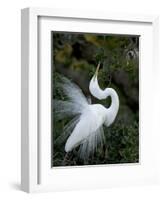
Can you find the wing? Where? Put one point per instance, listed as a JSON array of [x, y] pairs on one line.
[[73, 107], [76, 101], [73, 92], [67, 130], [63, 109], [90, 145], [88, 133]]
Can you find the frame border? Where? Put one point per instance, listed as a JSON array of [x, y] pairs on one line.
[[30, 78]]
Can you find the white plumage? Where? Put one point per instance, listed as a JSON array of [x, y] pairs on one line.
[[86, 127]]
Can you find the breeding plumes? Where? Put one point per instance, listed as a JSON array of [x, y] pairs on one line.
[[86, 126]]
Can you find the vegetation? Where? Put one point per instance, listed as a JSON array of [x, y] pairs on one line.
[[76, 57]]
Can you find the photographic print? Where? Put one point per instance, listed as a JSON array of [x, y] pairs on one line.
[[95, 99]]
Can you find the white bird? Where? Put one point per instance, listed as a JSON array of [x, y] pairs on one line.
[[86, 127]]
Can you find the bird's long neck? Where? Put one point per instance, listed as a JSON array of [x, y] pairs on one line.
[[113, 109], [114, 98]]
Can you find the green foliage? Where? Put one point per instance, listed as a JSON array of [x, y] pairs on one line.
[[76, 57]]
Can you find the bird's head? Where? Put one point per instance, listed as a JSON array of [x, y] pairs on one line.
[[94, 88], [93, 85], [96, 72]]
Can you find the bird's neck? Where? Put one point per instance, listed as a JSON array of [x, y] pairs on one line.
[[113, 109]]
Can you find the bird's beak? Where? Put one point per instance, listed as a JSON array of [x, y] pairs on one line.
[[97, 69]]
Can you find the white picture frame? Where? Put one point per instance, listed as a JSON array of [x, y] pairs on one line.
[[36, 172]]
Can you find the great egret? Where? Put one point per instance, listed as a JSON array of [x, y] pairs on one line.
[[86, 127]]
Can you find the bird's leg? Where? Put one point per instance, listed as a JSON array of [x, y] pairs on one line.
[[65, 159], [75, 152]]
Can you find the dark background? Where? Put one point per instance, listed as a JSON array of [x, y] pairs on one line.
[[76, 55]]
